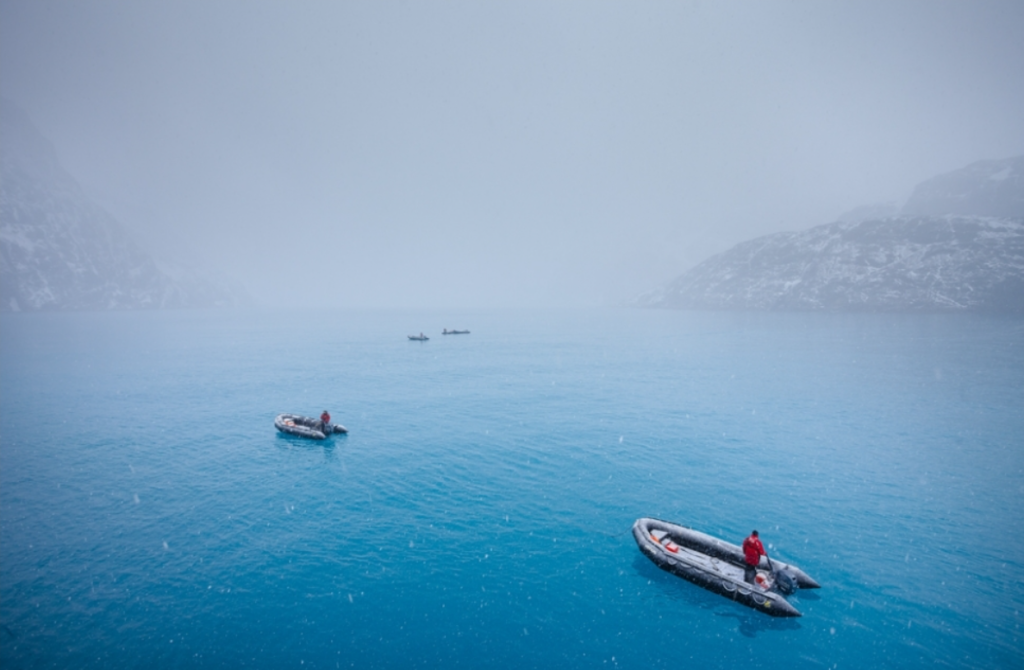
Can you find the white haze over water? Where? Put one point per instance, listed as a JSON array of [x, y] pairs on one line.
[[445, 154]]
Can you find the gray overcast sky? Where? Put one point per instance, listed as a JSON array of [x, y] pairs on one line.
[[462, 154]]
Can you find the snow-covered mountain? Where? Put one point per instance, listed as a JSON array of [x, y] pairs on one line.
[[60, 250], [957, 245]]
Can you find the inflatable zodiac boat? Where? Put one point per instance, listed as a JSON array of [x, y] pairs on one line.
[[305, 426], [718, 566]]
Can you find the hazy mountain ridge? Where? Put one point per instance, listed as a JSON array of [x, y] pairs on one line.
[[984, 188], [969, 258], [60, 250]]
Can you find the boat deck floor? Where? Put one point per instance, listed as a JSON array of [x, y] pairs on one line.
[[699, 559], [710, 564]]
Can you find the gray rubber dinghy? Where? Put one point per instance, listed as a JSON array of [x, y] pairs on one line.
[[304, 426], [717, 566]]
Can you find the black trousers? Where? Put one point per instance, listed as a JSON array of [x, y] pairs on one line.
[[749, 572]]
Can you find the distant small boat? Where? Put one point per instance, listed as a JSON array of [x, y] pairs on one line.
[[305, 426], [419, 338], [455, 332]]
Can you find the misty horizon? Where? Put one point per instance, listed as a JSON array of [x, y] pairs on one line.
[[450, 156]]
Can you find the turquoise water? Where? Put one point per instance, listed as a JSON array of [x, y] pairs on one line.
[[478, 513]]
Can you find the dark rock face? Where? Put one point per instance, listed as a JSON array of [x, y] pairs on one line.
[[969, 257], [59, 250]]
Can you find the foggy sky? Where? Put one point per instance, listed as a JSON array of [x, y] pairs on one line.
[[449, 154]]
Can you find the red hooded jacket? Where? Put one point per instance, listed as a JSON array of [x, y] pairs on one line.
[[753, 550]]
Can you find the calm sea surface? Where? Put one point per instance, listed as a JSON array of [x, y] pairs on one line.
[[478, 513]]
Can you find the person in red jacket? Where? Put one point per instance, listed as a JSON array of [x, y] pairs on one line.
[[753, 550], [325, 420]]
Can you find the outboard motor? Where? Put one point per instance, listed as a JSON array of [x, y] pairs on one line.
[[785, 583]]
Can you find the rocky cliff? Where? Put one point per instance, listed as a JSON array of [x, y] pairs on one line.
[[957, 245], [60, 250]]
